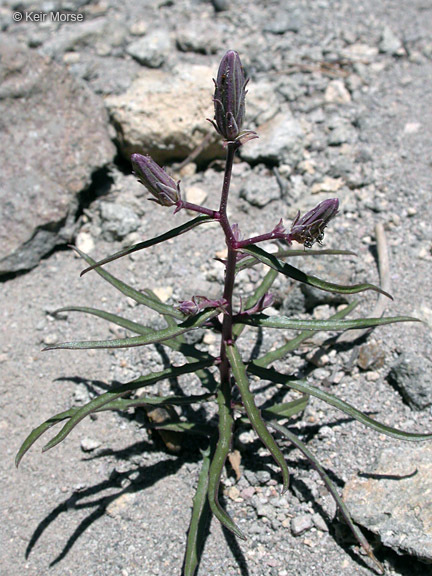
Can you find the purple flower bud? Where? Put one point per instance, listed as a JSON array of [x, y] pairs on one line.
[[165, 190], [198, 303], [310, 228], [229, 96]]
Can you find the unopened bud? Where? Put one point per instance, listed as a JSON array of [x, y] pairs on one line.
[[229, 96], [310, 228], [198, 303], [165, 190]]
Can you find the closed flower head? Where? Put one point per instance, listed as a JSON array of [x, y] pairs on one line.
[[165, 190], [229, 96], [309, 228]]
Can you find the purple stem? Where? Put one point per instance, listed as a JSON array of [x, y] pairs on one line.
[[262, 238], [227, 335], [196, 208]]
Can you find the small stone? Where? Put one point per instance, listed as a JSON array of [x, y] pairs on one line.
[[84, 242], [390, 43], [337, 93], [138, 28], [89, 444], [50, 339], [195, 195], [265, 510], [328, 185], [371, 355], [151, 50], [301, 524], [263, 476], [319, 523], [412, 376], [163, 292], [118, 220], [233, 493], [412, 127]]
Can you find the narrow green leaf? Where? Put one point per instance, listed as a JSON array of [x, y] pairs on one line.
[[331, 488], [39, 430], [225, 427], [288, 253], [294, 343], [188, 427], [296, 274], [286, 409], [288, 323], [200, 517], [302, 386], [261, 290], [140, 297], [151, 242], [156, 336], [254, 414], [118, 392]]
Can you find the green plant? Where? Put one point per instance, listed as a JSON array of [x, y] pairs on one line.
[[225, 379]]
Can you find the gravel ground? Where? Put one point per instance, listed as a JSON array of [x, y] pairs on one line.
[[110, 500]]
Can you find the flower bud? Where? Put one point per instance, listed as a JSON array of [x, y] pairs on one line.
[[198, 303], [165, 190], [310, 228], [229, 96]]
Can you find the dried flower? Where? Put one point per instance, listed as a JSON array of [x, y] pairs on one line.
[[229, 96], [310, 228], [165, 190]]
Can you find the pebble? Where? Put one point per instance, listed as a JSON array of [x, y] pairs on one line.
[[301, 524], [51, 339], [164, 293], [89, 444], [337, 93], [151, 50]]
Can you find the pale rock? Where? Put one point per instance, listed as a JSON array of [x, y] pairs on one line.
[[163, 292], [337, 93], [84, 242], [195, 195], [164, 113]]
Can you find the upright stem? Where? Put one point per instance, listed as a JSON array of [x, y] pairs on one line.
[[229, 275]]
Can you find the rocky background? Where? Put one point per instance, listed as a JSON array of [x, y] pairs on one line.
[[341, 95]]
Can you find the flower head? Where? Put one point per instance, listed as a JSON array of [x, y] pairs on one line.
[[229, 96], [310, 228], [165, 190]]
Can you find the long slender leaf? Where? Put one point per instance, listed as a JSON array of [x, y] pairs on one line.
[[120, 404], [331, 488], [186, 349], [288, 323], [283, 410], [260, 291], [296, 274], [294, 343], [289, 253], [200, 516], [118, 392], [254, 414], [140, 297], [151, 242], [302, 386], [157, 336], [225, 427]]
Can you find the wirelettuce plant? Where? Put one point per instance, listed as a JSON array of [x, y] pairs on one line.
[[225, 379]]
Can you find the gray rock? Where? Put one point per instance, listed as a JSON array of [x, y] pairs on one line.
[[390, 43], [54, 137], [118, 220], [260, 191], [201, 38], [301, 524], [280, 141], [412, 376], [151, 50], [392, 502]]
